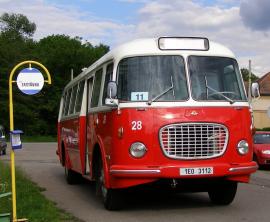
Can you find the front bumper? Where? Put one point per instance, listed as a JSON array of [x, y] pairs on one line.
[[173, 171]]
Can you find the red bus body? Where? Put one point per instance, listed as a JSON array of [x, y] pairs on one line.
[[110, 131], [124, 171]]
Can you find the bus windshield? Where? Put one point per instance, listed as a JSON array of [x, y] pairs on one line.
[[152, 78], [215, 78]]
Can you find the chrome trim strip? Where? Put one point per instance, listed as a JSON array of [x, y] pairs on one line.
[[237, 169], [188, 103], [70, 117], [134, 171]]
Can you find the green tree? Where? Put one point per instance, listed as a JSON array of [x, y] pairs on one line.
[[245, 74], [17, 25], [37, 115], [15, 46], [60, 54]]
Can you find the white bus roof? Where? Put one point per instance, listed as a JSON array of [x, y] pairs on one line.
[[141, 47]]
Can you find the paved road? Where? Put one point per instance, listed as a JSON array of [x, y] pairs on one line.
[[41, 164]]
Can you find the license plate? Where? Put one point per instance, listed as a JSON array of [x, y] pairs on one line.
[[197, 171]]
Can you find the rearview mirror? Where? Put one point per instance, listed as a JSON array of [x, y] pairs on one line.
[[255, 90], [111, 90], [111, 94]]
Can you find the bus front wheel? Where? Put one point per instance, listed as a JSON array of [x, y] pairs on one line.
[[112, 198], [223, 193]]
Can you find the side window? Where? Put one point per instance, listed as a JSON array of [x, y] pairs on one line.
[[67, 101], [64, 103], [108, 77], [79, 97], [96, 90], [73, 99], [89, 91]]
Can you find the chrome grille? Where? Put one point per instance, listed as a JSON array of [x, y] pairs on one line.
[[193, 140]]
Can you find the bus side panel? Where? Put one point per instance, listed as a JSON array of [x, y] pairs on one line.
[[82, 142], [107, 130], [59, 143], [136, 126], [99, 125], [70, 135], [91, 139]]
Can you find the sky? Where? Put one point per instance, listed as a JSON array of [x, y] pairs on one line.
[[241, 25]]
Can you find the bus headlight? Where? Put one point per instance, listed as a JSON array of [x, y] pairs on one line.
[[137, 150], [266, 151], [243, 147]]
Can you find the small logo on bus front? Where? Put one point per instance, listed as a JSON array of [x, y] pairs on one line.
[[194, 113]]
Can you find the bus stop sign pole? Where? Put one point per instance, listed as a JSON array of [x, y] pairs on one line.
[[11, 119]]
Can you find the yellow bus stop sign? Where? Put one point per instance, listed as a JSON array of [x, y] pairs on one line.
[[30, 85]]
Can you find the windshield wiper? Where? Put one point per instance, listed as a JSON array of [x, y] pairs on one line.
[[163, 93], [215, 91]]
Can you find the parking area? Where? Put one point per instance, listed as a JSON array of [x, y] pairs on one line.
[[40, 162]]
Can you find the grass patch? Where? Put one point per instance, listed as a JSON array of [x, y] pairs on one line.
[[31, 203]]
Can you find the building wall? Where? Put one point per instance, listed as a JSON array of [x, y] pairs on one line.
[[260, 107], [261, 120]]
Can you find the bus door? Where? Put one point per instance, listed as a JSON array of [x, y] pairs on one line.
[[89, 95]]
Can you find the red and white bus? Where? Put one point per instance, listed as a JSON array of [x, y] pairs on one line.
[[169, 109]]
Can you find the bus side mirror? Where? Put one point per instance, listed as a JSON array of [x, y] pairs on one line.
[[111, 90], [111, 94], [255, 90]]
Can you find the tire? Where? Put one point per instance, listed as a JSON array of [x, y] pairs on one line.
[[4, 151], [71, 176], [223, 193], [255, 158], [112, 198]]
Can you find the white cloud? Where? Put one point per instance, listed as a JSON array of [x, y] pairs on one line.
[[218, 23], [155, 18], [254, 15], [53, 19]]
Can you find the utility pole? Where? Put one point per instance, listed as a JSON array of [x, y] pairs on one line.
[[249, 81], [71, 74]]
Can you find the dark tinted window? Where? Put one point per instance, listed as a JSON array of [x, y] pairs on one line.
[[146, 77], [213, 78], [262, 138], [67, 102], [73, 99], [108, 77], [79, 97], [96, 90], [64, 104]]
